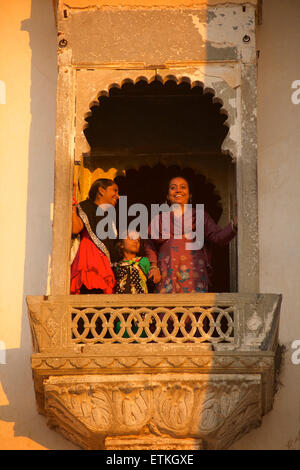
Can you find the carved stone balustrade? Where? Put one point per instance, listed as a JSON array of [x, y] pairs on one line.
[[192, 371]]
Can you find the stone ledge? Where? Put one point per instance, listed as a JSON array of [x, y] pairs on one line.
[[254, 321], [150, 395]]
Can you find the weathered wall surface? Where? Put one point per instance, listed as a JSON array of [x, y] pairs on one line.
[[27, 144], [157, 36], [28, 68], [279, 207], [151, 3]]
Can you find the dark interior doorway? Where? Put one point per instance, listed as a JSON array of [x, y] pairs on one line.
[[158, 117]]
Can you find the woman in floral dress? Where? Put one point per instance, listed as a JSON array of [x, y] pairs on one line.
[[176, 268]]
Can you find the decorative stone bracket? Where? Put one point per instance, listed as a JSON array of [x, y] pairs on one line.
[[180, 372]]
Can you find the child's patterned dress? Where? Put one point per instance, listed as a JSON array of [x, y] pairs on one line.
[[131, 276]]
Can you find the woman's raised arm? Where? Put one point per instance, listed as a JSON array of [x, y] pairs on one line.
[[217, 235]]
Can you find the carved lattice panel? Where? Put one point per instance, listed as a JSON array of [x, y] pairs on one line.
[[152, 324]]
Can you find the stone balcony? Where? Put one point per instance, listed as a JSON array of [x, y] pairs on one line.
[[193, 371]]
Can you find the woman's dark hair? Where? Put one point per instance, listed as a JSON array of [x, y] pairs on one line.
[[100, 183]]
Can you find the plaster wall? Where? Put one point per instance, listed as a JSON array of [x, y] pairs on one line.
[[99, 4], [278, 40], [27, 145], [28, 69]]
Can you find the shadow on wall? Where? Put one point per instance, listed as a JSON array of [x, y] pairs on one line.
[[16, 378]]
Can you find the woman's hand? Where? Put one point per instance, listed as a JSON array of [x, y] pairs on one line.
[[234, 223], [154, 273], [235, 220]]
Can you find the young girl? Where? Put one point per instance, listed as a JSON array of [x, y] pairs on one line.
[[131, 271]]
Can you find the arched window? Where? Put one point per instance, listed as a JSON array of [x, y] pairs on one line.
[[150, 130]]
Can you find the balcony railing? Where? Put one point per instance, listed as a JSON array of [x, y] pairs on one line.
[[102, 361]]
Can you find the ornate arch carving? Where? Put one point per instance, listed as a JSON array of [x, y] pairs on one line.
[[200, 122]]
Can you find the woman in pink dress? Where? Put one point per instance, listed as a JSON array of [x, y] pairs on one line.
[[175, 268]]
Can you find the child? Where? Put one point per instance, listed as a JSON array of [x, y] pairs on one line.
[[131, 272], [132, 269]]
